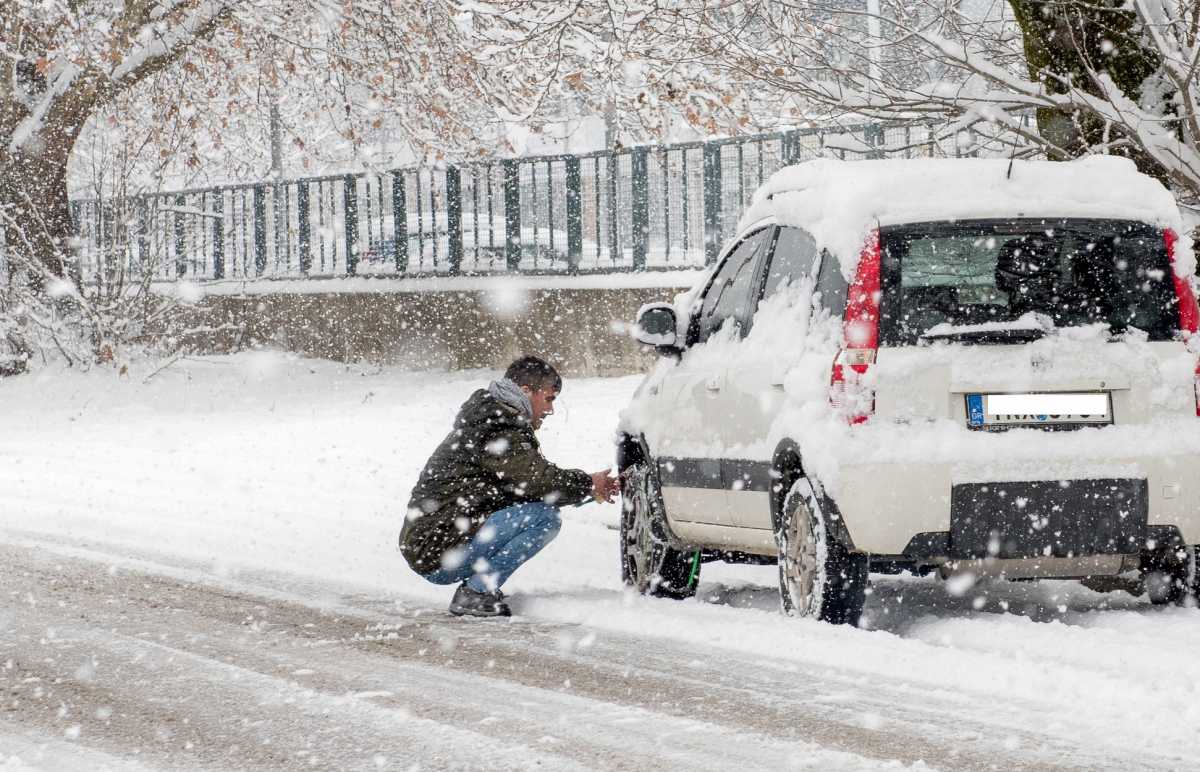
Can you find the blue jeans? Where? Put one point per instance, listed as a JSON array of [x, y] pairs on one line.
[[507, 539]]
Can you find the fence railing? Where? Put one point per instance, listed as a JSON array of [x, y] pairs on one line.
[[669, 206]]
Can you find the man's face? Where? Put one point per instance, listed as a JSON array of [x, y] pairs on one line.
[[543, 403]]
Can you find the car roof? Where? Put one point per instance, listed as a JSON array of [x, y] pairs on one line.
[[839, 202]]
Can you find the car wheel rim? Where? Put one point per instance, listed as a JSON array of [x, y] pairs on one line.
[[800, 558], [642, 548]]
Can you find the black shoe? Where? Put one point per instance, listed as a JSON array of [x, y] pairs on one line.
[[468, 602]]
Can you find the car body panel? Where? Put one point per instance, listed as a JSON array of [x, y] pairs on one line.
[[885, 505], [750, 540], [723, 409]]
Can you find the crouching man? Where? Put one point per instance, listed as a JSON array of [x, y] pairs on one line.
[[487, 500]]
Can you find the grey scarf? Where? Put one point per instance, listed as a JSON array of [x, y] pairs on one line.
[[510, 394]]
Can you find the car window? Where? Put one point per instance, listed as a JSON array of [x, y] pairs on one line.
[[831, 287], [719, 282], [793, 259], [729, 294], [1071, 272]]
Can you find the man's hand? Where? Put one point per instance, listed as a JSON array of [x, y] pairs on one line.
[[604, 486]]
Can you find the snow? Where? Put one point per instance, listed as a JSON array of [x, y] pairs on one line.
[[27, 134], [267, 462], [1164, 428], [23, 750], [912, 426], [156, 40], [1028, 321], [501, 286], [839, 202]]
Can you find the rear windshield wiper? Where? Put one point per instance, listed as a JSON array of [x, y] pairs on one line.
[[1006, 335], [1030, 326]]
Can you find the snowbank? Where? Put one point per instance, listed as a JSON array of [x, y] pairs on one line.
[[493, 283]]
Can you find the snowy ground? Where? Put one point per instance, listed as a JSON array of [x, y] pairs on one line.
[[151, 524]]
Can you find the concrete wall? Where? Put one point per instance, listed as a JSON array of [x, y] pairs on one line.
[[436, 329]]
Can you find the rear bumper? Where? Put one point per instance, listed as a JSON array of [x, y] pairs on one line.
[[888, 506], [1043, 519]]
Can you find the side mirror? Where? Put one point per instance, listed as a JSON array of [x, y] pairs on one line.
[[656, 327]]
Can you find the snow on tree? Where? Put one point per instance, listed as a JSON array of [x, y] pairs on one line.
[[384, 86], [197, 77], [188, 84], [1113, 77], [61, 61]]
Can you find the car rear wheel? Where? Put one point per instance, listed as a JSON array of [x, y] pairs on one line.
[[818, 576], [1171, 576], [648, 562]]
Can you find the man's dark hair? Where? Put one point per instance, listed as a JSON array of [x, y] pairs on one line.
[[534, 372]]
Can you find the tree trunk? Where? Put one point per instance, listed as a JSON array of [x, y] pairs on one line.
[[46, 99], [33, 176], [1068, 42], [33, 192]]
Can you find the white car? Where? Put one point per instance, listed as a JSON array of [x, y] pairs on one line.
[[945, 366]]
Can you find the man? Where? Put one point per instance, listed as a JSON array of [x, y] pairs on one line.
[[487, 500]]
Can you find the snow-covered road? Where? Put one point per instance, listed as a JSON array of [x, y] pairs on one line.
[[194, 674], [199, 571]]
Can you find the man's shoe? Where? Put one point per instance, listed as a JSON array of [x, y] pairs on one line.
[[468, 602]]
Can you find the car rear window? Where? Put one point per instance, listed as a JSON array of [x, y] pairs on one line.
[[960, 276]]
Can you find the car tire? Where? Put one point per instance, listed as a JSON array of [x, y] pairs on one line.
[[649, 563], [1171, 576], [1189, 579], [818, 577], [1160, 587]]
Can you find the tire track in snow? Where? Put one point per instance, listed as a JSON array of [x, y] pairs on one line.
[[197, 676], [266, 679]]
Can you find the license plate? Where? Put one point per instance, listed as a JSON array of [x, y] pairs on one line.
[[1039, 409]]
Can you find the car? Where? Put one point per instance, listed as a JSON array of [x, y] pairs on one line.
[[953, 366]]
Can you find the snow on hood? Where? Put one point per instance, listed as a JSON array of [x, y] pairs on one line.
[[840, 201]]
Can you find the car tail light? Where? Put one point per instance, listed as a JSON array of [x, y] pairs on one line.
[[850, 388], [1189, 313]]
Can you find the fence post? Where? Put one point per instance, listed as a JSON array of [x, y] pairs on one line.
[[260, 230], [399, 222], [713, 226], [351, 215], [304, 234], [574, 215], [512, 214], [454, 235], [143, 226], [280, 239], [76, 213], [639, 187], [180, 248], [76, 217], [789, 147], [104, 267], [614, 241], [218, 235], [873, 137]]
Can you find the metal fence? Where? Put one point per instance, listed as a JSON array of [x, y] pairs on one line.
[[654, 207]]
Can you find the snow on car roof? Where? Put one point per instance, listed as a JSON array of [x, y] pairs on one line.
[[840, 201]]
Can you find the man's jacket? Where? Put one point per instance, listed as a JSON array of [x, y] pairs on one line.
[[490, 461]]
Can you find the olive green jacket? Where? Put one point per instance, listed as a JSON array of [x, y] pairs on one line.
[[490, 461]]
